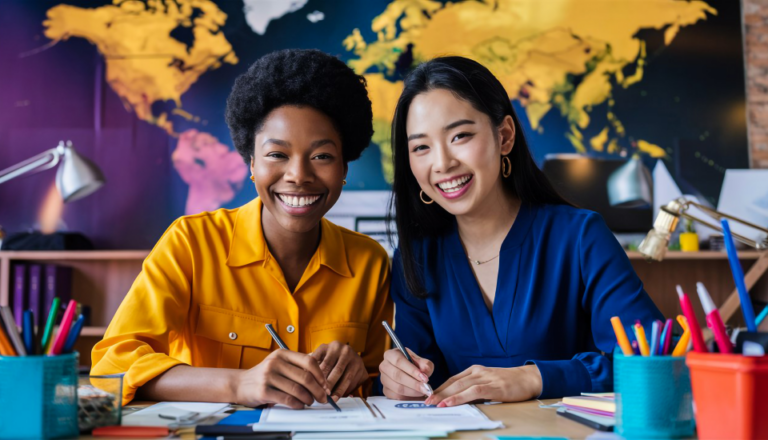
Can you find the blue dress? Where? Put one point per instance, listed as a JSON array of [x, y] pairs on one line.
[[562, 276]]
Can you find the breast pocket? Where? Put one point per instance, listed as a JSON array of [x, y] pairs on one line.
[[352, 333], [235, 331]]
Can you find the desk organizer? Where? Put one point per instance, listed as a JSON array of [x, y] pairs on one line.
[[653, 397], [730, 392], [38, 396]]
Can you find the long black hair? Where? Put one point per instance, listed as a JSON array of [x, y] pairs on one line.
[[475, 84]]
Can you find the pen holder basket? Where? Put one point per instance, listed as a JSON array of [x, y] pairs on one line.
[[653, 397], [729, 391], [38, 396]]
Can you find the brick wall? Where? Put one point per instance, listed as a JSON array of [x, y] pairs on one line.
[[756, 38]]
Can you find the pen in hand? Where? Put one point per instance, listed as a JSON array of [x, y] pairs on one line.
[[282, 345], [402, 349]]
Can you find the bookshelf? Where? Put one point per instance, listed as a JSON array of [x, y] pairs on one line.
[[102, 278]]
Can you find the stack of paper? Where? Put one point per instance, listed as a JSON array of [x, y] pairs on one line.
[[596, 410], [380, 415]]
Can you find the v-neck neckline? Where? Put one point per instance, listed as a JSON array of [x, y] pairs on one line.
[[495, 320]]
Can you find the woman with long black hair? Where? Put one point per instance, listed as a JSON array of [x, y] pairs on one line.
[[503, 290]]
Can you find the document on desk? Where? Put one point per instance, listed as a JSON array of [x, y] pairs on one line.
[[380, 414], [461, 417], [168, 413]]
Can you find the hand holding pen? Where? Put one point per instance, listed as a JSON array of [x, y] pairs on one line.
[[404, 375]]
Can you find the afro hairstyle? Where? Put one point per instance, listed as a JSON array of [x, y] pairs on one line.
[[300, 77]]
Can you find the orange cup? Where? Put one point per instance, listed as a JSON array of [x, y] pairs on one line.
[[730, 393]]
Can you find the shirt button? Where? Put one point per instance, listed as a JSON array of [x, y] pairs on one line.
[[291, 329], [233, 336]]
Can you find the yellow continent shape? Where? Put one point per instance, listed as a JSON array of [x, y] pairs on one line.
[[144, 64]]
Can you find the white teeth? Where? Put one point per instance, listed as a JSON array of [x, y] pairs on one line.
[[454, 185], [298, 202]]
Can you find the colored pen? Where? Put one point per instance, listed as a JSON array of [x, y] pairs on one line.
[[621, 337], [282, 345], [49, 324], [635, 347], [12, 331], [666, 337], [28, 332], [698, 339], [682, 344], [655, 330], [761, 316], [738, 277], [6, 348], [401, 347], [74, 333], [642, 342], [714, 321], [66, 325]]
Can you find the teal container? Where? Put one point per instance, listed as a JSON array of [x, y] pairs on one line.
[[653, 397], [38, 396]]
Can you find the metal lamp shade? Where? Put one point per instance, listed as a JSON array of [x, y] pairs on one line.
[[631, 186], [77, 176]]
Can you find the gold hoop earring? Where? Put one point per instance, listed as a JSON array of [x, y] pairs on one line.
[[421, 196], [343, 182], [506, 166], [253, 179]]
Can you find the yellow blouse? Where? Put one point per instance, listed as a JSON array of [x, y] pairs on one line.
[[210, 285]]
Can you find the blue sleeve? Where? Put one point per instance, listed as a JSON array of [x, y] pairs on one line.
[[413, 324], [610, 288]]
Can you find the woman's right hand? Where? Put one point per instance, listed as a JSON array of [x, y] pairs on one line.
[[285, 377], [401, 379]]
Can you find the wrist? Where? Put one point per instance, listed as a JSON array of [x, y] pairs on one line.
[[233, 385], [534, 381]]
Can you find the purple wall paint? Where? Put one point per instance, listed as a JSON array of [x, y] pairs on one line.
[[53, 95]]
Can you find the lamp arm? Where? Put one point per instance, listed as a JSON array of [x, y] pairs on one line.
[[685, 204], [43, 161]]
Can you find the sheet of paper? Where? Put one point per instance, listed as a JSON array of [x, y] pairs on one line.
[[400, 435], [459, 417], [383, 415], [353, 409], [172, 411]]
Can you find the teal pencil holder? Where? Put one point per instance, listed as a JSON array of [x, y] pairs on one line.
[[653, 397], [38, 396]]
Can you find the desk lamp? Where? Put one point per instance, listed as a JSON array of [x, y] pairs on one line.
[[76, 177]]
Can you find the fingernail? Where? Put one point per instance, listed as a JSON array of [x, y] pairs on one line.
[[426, 389], [423, 377], [442, 404]]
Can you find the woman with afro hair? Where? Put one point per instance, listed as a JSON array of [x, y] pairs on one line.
[[192, 326]]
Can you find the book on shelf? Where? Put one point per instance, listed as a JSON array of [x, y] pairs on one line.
[[34, 292], [19, 292], [58, 282], [35, 285]]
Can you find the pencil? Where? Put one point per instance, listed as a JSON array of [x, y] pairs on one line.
[[402, 349], [282, 345], [6, 348]]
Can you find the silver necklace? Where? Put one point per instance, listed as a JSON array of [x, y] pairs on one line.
[[478, 262]]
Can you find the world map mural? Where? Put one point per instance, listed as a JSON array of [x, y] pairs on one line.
[[660, 78]]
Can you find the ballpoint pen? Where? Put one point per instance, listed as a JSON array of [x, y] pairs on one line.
[[282, 345], [427, 388]]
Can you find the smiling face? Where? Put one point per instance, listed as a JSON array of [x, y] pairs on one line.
[[298, 167], [455, 151]]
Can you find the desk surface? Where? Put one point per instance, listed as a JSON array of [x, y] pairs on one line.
[[520, 419], [527, 419]]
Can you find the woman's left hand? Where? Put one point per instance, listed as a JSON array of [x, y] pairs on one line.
[[343, 368], [485, 383]]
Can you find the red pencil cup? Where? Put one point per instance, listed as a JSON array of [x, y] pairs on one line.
[[729, 393]]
